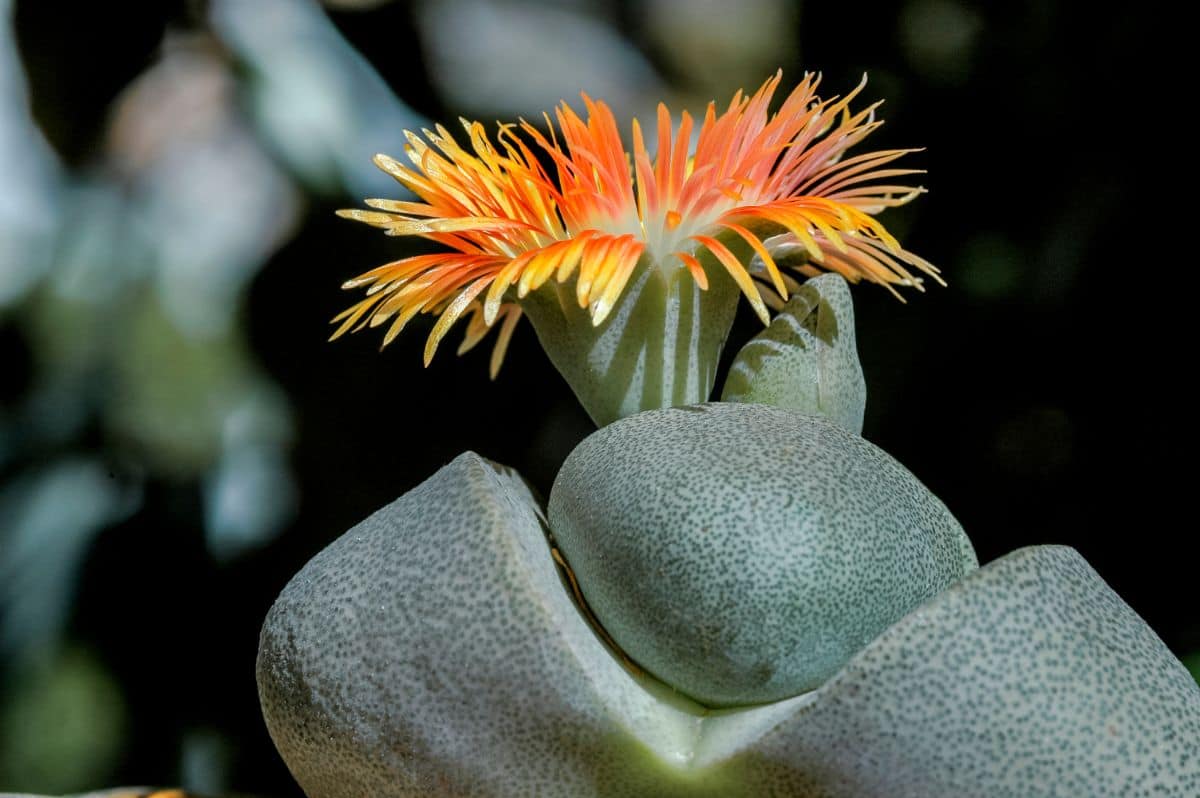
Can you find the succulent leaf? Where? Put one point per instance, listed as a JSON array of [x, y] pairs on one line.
[[807, 358]]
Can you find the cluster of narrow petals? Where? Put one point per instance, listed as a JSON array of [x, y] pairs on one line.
[[572, 206]]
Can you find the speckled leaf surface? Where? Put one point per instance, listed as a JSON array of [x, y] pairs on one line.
[[742, 553], [1030, 678], [807, 359], [434, 651]]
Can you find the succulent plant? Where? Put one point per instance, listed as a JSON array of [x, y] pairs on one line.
[[737, 598], [436, 649]]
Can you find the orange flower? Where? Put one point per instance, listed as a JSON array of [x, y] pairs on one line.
[[594, 214]]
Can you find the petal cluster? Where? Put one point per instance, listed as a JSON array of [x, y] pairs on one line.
[[573, 206]]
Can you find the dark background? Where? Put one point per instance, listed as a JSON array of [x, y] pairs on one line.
[[1034, 395]]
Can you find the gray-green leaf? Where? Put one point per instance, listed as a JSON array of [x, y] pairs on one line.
[[806, 359], [742, 552], [1029, 678], [433, 651]]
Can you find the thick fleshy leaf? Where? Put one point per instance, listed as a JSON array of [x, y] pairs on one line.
[[434, 651], [1029, 678], [742, 553], [807, 358]]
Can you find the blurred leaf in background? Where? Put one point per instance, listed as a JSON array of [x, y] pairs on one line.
[[62, 723], [123, 284], [48, 516], [714, 47], [28, 204], [526, 57], [1192, 663], [315, 100], [939, 39]]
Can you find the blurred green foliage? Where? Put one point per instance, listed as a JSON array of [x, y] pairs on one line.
[[1192, 663], [62, 722]]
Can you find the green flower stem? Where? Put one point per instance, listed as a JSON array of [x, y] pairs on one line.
[[659, 347]]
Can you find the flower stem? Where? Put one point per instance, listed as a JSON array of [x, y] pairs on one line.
[[658, 348]]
